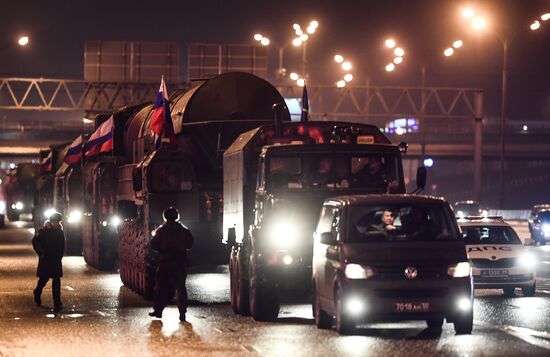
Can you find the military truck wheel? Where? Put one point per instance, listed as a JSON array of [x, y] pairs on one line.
[[509, 291], [529, 291], [435, 323], [264, 299], [344, 325], [322, 319], [239, 288]]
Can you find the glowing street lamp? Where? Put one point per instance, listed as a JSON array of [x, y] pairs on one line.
[[23, 41], [294, 76], [346, 66], [297, 42], [398, 60], [265, 41], [390, 43], [341, 84], [449, 52], [390, 67], [301, 82], [338, 58], [399, 52], [479, 23], [348, 77], [468, 13], [535, 25], [457, 44], [545, 17]]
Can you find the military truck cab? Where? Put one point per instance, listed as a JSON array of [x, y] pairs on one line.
[[274, 186]]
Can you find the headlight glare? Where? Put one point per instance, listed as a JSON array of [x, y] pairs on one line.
[[74, 217], [49, 212], [546, 229], [284, 234], [356, 271], [115, 221], [19, 206], [460, 270], [527, 260]]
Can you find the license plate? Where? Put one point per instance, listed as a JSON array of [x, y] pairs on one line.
[[494, 273], [412, 306]]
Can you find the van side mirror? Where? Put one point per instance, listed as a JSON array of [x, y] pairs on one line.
[[529, 242], [136, 180], [327, 238]]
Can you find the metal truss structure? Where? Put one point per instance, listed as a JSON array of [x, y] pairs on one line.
[[390, 102], [70, 94]]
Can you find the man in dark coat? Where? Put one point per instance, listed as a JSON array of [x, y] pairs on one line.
[[49, 244], [171, 240]]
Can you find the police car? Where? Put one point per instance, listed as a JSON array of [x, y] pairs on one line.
[[499, 258]]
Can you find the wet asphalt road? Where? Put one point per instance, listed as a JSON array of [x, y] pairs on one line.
[[102, 317]]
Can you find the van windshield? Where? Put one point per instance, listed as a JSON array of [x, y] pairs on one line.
[[400, 223]]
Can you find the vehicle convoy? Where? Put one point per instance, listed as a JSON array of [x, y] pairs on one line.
[[275, 180], [390, 258], [67, 199], [207, 119], [18, 188], [499, 258], [51, 160]]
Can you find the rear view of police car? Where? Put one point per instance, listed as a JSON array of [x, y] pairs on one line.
[[499, 258]]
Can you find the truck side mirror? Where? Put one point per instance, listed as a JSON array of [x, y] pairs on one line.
[[327, 238], [136, 180], [421, 178]]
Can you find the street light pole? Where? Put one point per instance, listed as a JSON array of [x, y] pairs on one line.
[[505, 44]]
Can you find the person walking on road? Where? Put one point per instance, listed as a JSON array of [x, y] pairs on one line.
[[171, 240], [49, 244]]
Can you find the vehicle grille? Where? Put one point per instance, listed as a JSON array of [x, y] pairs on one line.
[[499, 263], [412, 293], [398, 272]]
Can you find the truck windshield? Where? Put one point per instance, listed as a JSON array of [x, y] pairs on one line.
[[408, 222], [489, 235], [376, 172], [171, 177]]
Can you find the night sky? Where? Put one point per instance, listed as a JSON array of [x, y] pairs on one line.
[[356, 29]]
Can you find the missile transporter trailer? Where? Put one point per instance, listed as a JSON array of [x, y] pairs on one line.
[[275, 180], [19, 189], [207, 119]]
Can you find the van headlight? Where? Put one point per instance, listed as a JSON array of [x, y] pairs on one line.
[[357, 271], [527, 260], [74, 217], [19, 205], [284, 233], [460, 270]]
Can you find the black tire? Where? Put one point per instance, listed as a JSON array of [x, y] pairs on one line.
[[264, 300], [344, 325], [435, 323], [322, 319], [239, 287], [509, 291], [2, 221], [464, 324], [529, 291]]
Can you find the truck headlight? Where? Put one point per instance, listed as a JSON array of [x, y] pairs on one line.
[[460, 270], [284, 234], [356, 271], [546, 229], [527, 260], [19, 205], [74, 217], [49, 212], [2, 207]]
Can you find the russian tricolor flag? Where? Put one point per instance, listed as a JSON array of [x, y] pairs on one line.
[[46, 164], [102, 139], [161, 122], [74, 154]]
